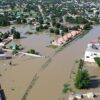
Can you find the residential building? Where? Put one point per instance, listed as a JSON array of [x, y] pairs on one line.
[[92, 51]]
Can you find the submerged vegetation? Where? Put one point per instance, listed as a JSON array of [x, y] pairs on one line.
[[66, 88], [28, 33], [14, 52], [32, 51]]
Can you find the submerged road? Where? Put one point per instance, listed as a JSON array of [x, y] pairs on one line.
[[47, 84]]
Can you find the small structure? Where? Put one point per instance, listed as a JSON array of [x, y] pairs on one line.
[[90, 95], [14, 47], [78, 96]]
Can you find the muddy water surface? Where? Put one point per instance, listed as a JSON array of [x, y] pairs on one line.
[[52, 72]]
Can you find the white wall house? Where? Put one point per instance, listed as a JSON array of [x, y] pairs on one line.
[[92, 51]]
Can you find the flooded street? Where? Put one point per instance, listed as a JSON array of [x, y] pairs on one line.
[[42, 78]]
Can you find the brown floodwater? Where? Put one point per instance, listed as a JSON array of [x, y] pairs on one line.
[[41, 78]]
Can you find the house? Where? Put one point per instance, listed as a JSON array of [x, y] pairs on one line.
[[92, 51]]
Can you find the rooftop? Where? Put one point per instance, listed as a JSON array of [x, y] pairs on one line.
[[94, 47]]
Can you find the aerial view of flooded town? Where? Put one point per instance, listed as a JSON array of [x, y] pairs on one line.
[[49, 49]]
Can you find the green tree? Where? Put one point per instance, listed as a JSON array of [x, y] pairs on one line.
[[16, 35], [64, 28], [24, 20], [52, 30], [57, 31], [19, 21], [87, 26], [81, 20], [58, 25], [4, 21], [0, 40], [82, 80], [5, 35], [75, 27]]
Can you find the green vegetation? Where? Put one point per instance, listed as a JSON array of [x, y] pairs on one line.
[[32, 51], [4, 21], [87, 26], [4, 47], [66, 88], [82, 80], [77, 20], [5, 35], [28, 33], [76, 27], [97, 60], [14, 52], [52, 46], [81, 64], [16, 34], [0, 40]]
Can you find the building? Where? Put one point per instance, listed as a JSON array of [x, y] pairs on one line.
[[92, 51]]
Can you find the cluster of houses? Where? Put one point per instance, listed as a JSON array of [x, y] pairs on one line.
[[72, 34], [92, 51]]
